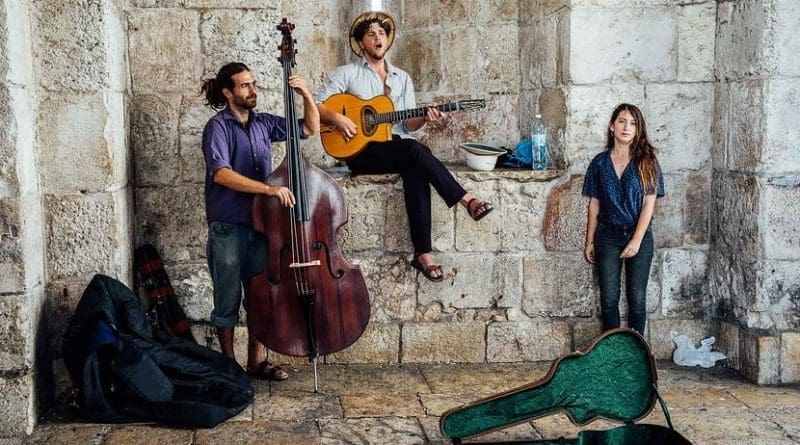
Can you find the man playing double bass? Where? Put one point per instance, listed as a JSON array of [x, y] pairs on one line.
[[237, 150], [371, 36]]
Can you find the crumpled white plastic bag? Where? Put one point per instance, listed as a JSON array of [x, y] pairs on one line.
[[686, 354]]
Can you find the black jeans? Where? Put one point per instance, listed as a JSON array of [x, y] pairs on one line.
[[419, 169], [609, 242]]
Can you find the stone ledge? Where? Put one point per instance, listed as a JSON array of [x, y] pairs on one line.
[[342, 173]]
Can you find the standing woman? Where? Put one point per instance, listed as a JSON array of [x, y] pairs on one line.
[[622, 184]]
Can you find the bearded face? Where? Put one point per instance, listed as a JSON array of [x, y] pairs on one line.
[[244, 93]]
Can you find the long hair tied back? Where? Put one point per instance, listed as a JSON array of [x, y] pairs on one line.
[[642, 152], [212, 87]]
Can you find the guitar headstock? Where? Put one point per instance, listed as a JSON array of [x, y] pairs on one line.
[[287, 43], [471, 104]]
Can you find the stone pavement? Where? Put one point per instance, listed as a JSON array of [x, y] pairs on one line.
[[401, 404]]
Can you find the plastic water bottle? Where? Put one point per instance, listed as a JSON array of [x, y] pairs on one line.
[[539, 144]]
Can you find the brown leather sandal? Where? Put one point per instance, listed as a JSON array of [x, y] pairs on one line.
[[480, 209], [428, 271], [266, 371]]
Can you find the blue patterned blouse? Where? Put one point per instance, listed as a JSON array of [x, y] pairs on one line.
[[621, 199]]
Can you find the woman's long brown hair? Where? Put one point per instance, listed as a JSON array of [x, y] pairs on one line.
[[642, 152]]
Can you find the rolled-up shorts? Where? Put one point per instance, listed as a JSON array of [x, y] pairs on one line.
[[236, 253]]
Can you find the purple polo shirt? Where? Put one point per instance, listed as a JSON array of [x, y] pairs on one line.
[[226, 143]]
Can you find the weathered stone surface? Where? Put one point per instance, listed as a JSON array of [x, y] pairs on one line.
[[779, 228], [380, 343], [9, 117], [368, 215], [558, 285], [474, 11], [777, 301], [382, 405], [746, 125], [443, 342], [527, 341], [588, 112], [75, 151], [515, 223], [154, 139], [790, 357], [474, 281], [155, 435], [735, 208], [159, 42], [193, 287], [742, 38], [175, 218], [82, 235], [247, 36], [727, 426], [683, 283], [392, 288], [597, 55], [13, 330], [564, 225], [727, 342], [678, 125], [538, 43], [356, 379], [781, 152], [157, 3], [260, 432], [662, 333], [418, 53], [393, 430], [761, 358], [481, 59], [296, 406], [696, 208], [17, 397], [720, 126], [695, 41], [785, 42], [62, 298], [12, 266], [584, 332], [194, 114], [234, 4], [74, 45]]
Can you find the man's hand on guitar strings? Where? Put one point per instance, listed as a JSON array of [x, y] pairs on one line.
[[346, 126]]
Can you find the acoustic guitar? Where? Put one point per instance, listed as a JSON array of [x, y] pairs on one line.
[[373, 119]]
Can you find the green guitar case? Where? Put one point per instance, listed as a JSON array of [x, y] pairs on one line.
[[614, 378]]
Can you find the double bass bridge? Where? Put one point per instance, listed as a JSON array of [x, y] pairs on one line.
[[313, 263]]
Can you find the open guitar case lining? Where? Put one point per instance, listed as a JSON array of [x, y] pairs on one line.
[[614, 378]]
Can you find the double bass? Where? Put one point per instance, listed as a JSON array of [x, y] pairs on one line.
[[310, 300]]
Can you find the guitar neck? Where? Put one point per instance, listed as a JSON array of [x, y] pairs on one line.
[[397, 116]]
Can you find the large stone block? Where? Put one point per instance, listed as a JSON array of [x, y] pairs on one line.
[[588, 113], [558, 285], [247, 36], [12, 263], [720, 131], [194, 289], [527, 341], [472, 11], [747, 121], [539, 42], [683, 283], [78, 45], [696, 208], [564, 226], [781, 150], [695, 39], [9, 182], [732, 285], [173, 219], [15, 405], [481, 58], [727, 342], [84, 235], [597, 54], [584, 332], [790, 357], [380, 343], [743, 35], [761, 358], [159, 42], [233, 4], [735, 207], [669, 217], [13, 330], [777, 299], [154, 139], [443, 342], [786, 42], [663, 332], [781, 207], [81, 150], [476, 281], [678, 124], [418, 53], [369, 223], [392, 288]]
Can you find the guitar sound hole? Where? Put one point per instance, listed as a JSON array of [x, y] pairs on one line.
[[368, 120]]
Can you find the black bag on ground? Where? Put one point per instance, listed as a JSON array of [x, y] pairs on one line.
[[126, 375]]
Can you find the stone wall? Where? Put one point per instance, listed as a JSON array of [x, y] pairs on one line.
[[755, 242]]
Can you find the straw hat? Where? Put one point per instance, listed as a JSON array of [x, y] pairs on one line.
[[383, 17]]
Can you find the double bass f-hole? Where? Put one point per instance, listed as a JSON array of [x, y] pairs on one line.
[[309, 301]]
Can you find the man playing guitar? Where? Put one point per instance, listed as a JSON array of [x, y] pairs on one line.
[[371, 36]]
